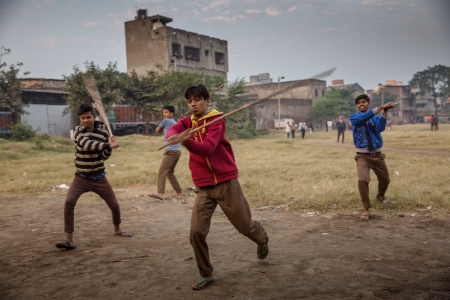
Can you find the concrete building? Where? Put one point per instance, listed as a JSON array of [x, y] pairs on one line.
[[45, 105], [414, 107], [151, 44], [338, 84], [294, 103]]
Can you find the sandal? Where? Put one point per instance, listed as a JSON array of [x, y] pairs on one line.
[[201, 284], [156, 196], [65, 245], [263, 254], [123, 233]]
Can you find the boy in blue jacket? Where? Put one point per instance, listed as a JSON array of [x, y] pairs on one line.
[[367, 127]]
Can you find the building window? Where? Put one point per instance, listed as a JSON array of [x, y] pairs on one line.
[[192, 53], [395, 113], [323, 93], [176, 50], [315, 92], [273, 114], [220, 58], [206, 52]]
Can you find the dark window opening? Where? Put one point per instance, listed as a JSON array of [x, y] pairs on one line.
[[176, 50], [220, 58], [192, 53], [206, 52], [315, 92], [323, 93]]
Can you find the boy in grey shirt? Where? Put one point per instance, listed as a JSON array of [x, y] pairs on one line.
[[171, 156]]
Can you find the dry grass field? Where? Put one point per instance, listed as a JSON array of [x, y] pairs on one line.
[[304, 192], [315, 173]]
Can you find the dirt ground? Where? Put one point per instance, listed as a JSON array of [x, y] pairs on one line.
[[312, 256]]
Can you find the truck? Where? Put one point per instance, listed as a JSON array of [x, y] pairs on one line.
[[124, 119], [5, 124], [281, 123]]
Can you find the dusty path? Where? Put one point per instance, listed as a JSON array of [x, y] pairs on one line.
[[311, 256]]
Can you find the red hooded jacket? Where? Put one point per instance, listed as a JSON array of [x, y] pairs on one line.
[[211, 158]]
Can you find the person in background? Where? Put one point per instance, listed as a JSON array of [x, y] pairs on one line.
[[170, 159], [293, 128], [432, 122], [287, 129], [329, 126], [340, 125], [302, 126], [436, 122]]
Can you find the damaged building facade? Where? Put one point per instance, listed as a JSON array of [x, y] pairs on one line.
[[44, 103], [151, 44], [293, 103]]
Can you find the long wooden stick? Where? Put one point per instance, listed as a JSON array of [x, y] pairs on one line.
[[290, 87], [210, 94], [294, 85], [91, 87]]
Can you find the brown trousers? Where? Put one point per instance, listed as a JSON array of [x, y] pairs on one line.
[[363, 165], [167, 169], [232, 201], [81, 185]]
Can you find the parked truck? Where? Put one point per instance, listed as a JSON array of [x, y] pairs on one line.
[[124, 119], [281, 123], [5, 124]]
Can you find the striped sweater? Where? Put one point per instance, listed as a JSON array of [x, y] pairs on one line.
[[92, 149]]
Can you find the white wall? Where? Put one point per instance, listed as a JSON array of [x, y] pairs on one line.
[[48, 118]]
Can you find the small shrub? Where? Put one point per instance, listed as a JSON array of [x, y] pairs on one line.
[[22, 132], [263, 131], [38, 143], [45, 136]]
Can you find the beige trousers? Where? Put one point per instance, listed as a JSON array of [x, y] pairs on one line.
[[167, 170], [232, 201]]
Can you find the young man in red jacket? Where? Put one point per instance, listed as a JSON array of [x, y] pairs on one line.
[[215, 174]]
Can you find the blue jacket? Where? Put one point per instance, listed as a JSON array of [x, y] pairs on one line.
[[375, 125]]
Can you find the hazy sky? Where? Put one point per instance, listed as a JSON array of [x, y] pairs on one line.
[[369, 41]]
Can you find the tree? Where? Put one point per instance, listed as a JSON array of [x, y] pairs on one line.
[[344, 99], [110, 84], [10, 88], [335, 103], [382, 97], [323, 109], [434, 81]]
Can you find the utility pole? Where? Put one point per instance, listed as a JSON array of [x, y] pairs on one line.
[[279, 98]]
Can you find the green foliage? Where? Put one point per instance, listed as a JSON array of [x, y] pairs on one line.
[[10, 88], [110, 83], [382, 97], [39, 145], [158, 88], [434, 81], [22, 131], [150, 93], [323, 109], [335, 103]]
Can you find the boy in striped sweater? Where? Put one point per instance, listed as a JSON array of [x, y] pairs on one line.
[[93, 146]]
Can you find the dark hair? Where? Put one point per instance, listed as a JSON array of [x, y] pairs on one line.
[[170, 108], [84, 108], [199, 90], [363, 96]]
